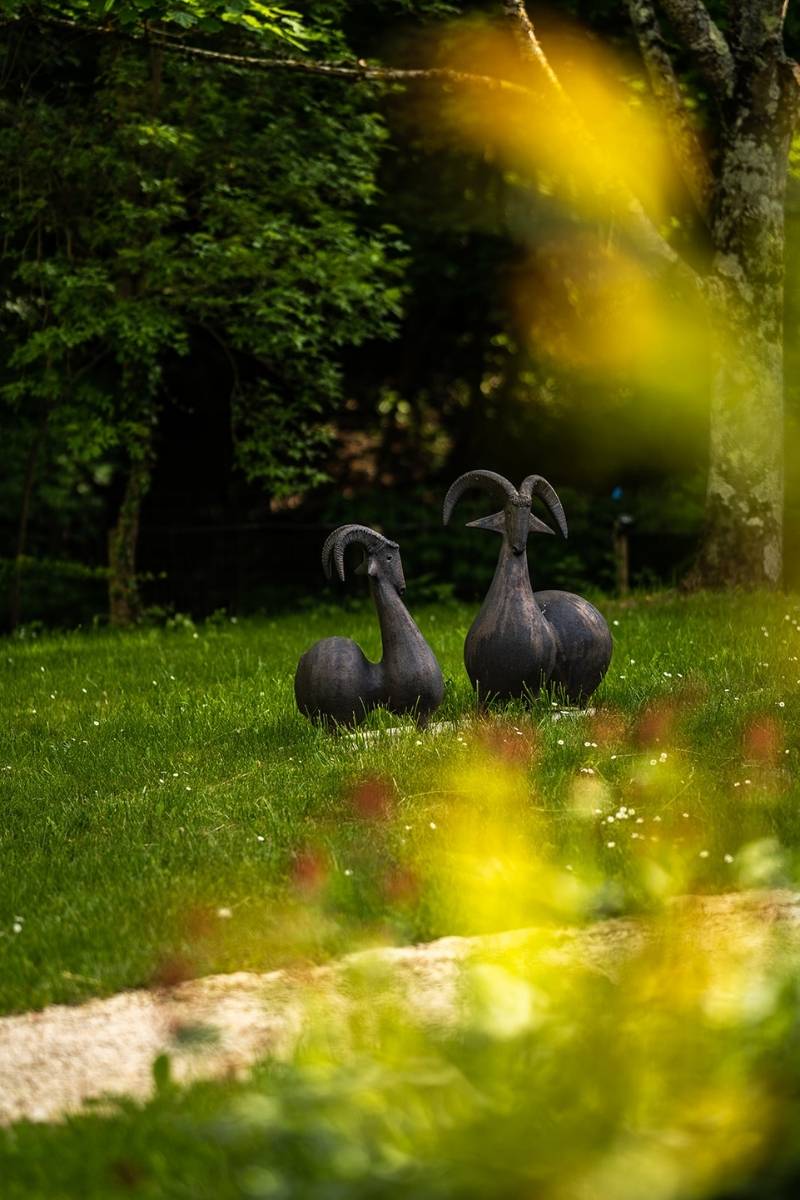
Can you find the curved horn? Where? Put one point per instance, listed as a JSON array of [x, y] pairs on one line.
[[338, 541], [490, 481], [534, 485]]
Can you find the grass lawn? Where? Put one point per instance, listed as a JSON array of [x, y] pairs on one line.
[[167, 812]]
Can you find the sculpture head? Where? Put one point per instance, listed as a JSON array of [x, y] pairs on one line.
[[381, 559], [514, 521]]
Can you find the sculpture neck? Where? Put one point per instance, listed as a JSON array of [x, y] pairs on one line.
[[511, 571], [397, 624]]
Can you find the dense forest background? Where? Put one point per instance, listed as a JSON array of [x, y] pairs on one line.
[[273, 303]]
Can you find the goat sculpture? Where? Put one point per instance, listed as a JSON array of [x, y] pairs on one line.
[[335, 683], [522, 640]]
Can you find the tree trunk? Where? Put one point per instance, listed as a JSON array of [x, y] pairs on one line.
[[742, 543], [123, 590], [15, 598]]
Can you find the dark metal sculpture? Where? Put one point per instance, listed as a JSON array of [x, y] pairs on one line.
[[521, 640], [335, 683]]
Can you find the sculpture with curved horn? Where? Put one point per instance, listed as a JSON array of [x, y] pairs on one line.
[[521, 640], [335, 683]]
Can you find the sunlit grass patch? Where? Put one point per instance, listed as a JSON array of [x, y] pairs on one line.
[[168, 814], [156, 779]]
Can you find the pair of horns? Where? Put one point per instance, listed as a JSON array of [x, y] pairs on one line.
[[503, 491], [346, 535]]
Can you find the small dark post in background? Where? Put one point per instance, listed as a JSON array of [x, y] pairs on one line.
[[621, 553], [622, 564]]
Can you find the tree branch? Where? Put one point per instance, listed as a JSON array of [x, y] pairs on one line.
[[529, 44], [793, 69], [757, 23], [767, 78], [706, 42], [641, 228], [685, 144], [357, 70]]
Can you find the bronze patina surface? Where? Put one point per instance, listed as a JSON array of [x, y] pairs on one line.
[[522, 641], [335, 683]]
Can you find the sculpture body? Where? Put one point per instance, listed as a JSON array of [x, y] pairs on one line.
[[335, 683], [584, 645], [521, 640], [510, 646]]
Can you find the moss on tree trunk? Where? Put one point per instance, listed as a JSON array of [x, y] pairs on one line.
[[742, 544]]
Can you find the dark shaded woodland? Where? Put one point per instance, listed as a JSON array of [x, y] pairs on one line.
[[243, 306]]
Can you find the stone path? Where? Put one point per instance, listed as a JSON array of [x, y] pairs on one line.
[[54, 1061]]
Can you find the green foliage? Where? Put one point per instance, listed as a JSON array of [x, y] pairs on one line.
[[177, 16], [151, 201], [539, 1079], [59, 591]]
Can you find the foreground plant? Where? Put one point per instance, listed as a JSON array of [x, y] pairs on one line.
[[665, 1065]]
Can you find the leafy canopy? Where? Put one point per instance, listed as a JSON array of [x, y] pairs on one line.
[[149, 202], [203, 16]]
